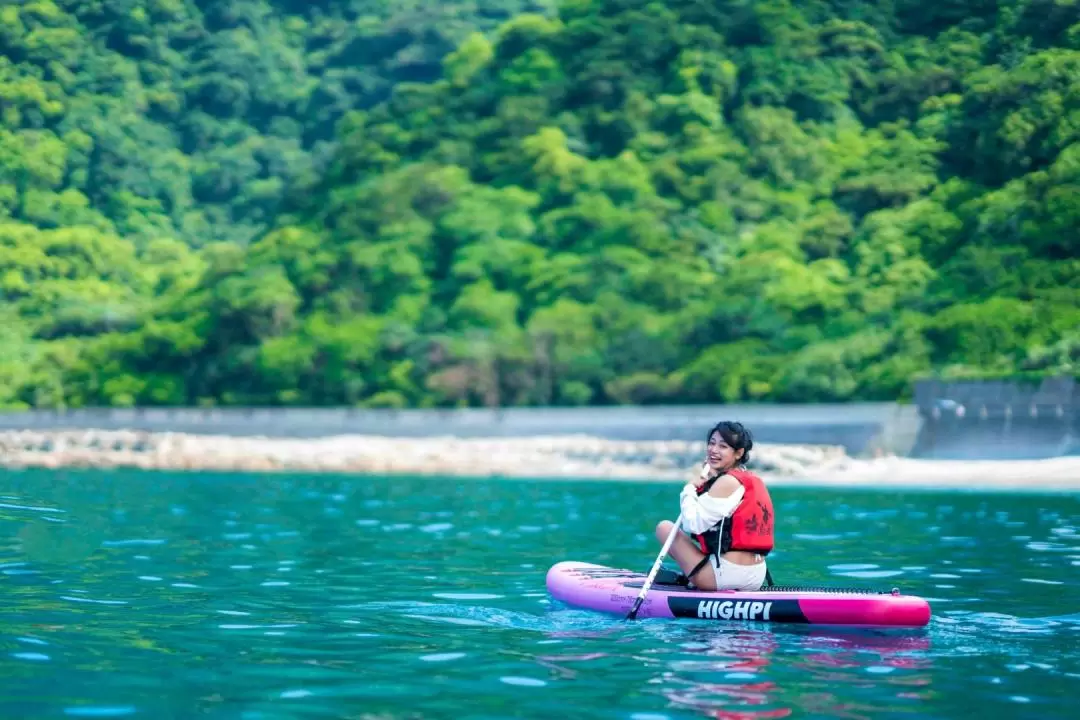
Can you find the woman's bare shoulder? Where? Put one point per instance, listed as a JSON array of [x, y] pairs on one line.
[[724, 486]]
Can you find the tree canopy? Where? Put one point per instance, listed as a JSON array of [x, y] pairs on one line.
[[504, 202]]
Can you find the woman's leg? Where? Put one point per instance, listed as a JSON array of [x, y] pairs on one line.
[[687, 554]]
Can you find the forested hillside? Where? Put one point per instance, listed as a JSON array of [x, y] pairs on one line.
[[381, 203]]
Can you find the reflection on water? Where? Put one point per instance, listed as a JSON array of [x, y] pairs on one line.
[[241, 596]]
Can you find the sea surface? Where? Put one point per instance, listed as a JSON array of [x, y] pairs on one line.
[[211, 595]]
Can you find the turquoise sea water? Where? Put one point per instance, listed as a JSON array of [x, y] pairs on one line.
[[170, 595]]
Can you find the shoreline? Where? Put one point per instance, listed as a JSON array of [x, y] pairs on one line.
[[582, 457]]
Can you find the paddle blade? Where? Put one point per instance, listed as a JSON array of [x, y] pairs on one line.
[[655, 569]]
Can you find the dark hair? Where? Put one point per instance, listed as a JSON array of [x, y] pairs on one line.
[[735, 435]]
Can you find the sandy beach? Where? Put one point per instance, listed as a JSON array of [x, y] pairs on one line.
[[566, 456]]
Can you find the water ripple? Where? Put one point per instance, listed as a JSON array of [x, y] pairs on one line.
[[100, 712], [91, 600], [11, 506]]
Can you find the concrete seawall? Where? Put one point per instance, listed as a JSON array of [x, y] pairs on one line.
[[867, 444], [861, 428]]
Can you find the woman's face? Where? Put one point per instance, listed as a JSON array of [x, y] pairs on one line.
[[721, 455]]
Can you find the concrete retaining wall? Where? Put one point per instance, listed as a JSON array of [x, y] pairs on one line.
[[998, 419], [949, 420], [864, 428]]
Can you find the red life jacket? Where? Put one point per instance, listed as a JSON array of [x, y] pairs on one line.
[[751, 526]]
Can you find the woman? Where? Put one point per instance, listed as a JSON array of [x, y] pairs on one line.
[[728, 515]]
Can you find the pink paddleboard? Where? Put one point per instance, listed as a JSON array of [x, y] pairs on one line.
[[596, 587]]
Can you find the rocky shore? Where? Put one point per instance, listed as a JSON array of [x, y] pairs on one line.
[[567, 456], [556, 456]]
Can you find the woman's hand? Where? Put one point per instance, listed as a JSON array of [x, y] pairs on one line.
[[705, 475]]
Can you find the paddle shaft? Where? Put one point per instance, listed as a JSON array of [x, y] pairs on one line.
[[655, 569]]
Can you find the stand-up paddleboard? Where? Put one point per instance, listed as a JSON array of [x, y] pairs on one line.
[[596, 587]]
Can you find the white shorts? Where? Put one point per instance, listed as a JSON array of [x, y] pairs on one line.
[[731, 576]]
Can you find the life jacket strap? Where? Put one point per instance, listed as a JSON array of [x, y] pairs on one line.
[[703, 563]]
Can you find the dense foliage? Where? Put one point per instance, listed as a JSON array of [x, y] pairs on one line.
[[393, 203]]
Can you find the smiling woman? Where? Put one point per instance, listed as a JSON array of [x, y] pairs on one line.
[[728, 514]]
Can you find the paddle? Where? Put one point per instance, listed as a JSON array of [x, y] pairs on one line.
[[655, 569]]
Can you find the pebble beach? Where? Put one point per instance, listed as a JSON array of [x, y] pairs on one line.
[[547, 457]]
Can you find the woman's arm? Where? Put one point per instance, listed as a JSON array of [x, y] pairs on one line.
[[702, 512]]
